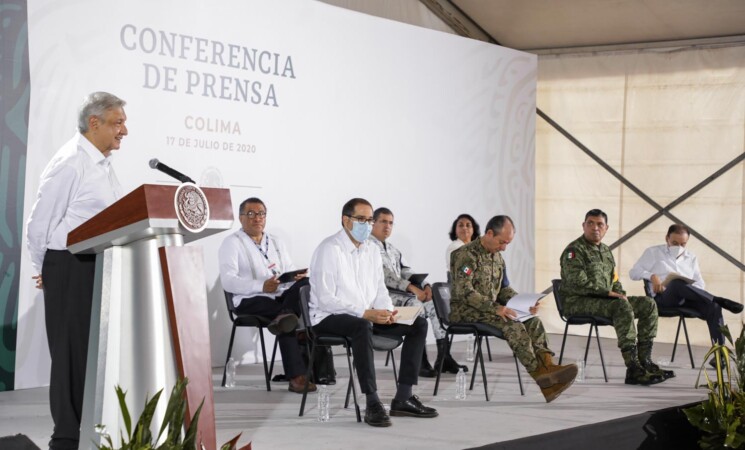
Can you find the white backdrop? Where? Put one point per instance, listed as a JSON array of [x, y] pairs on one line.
[[339, 105]]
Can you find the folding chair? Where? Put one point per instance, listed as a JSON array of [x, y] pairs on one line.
[[248, 320], [591, 320], [441, 299], [682, 313]]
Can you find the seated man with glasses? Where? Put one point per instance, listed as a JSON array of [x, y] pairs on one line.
[[405, 293], [348, 297], [672, 257], [250, 264]]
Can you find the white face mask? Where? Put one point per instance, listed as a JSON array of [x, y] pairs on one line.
[[360, 231], [676, 250]]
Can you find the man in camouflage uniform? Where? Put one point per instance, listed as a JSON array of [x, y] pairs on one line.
[[405, 293], [480, 293], [590, 286]]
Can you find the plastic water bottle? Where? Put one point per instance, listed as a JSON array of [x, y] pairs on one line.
[[460, 385], [580, 370], [230, 374], [469, 348], [323, 403]]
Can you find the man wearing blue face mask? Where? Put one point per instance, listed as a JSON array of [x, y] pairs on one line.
[[348, 297], [658, 262]]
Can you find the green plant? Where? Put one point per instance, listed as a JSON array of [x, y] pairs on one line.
[[721, 417], [141, 438]]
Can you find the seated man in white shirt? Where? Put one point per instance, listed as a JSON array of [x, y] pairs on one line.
[[348, 297], [672, 257], [250, 264], [404, 293]]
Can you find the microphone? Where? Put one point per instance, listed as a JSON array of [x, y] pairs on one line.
[[155, 164]]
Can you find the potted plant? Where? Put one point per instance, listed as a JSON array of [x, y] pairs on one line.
[[141, 438], [721, 417]]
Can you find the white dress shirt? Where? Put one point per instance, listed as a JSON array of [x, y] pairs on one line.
[[659, 261], [455, 245], [78, 183], [345, 279], [244, 268]]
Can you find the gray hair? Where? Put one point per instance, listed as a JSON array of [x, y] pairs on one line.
[[497, 223], [96, 104]]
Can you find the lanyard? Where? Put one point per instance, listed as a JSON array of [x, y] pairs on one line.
[[264, 252]]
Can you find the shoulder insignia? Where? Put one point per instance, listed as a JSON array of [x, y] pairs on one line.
[[466, 270], [570, 254]]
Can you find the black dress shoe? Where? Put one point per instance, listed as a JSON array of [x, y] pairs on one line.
[[729, 305], [326, 380], [451, 366], [412, 408], [427, 372], [283, 323], [376, 416]]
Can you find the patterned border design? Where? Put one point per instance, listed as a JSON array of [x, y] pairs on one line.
[[14, 85]]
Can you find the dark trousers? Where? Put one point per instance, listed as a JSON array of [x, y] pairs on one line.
[[694, 298], [68, 293], [287, 303], [360, 331]]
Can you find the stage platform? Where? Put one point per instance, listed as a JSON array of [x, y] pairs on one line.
[[270, 419]]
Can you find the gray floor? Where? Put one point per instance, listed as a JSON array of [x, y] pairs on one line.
[[270, 419]]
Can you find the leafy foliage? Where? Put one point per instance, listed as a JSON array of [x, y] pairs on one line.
[[721, 416], [141, 438]]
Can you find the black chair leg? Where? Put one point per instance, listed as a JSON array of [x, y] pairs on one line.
[[267, 375], [274, 353], [387, 358], [392, 357], [307, 378], [227, 358], [351, 382], [442, 361], [563, 342], [675, 344], [475, 362], [688, 342], [600, 350], [587, 347], [349, 392], [519, 378], [488, 347], [480, 357], [476, 345]]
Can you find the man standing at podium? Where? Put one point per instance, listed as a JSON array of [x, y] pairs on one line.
[[78, 183]]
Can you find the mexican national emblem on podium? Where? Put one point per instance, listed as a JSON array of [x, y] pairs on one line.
[[192, 209]]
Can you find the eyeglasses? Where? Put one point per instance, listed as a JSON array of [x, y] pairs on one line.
[[252, 214], [361, 219]]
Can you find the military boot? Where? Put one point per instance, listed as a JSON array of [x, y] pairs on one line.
[[645, 359], [548, 374], [552, 392], [449, 365], [547, 360], [635, 373]]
